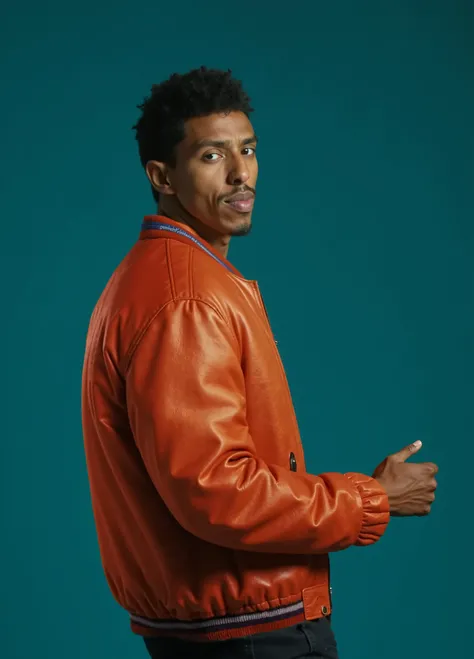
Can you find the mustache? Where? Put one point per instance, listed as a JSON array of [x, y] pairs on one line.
[[238, 190]]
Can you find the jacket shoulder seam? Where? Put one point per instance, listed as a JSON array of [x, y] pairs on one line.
[[143, 330], [191, 272], [170, 268]]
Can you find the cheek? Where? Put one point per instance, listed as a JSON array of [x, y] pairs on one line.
[[255, 170], [205, 186], [185, 187]]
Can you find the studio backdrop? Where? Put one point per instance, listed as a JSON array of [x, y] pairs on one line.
[[362, 245]]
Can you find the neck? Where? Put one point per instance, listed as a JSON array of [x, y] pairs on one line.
[[179, 214]]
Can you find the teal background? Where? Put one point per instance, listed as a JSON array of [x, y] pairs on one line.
[[363, 246]]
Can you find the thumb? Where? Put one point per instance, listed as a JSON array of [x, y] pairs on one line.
[[408, 451]]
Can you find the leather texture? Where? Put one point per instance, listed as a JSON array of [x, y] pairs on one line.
[[202, 503]]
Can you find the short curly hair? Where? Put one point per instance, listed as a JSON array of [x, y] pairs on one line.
[[198, 93]]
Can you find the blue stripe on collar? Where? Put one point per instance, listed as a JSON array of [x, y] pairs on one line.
[[169, 227]]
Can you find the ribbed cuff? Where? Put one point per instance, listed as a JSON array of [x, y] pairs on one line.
[[375, 508]]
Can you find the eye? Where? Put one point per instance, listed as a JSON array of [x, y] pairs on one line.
[[212, 157], [250, 151]]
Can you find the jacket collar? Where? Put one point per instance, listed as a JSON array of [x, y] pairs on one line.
[[158, 226]]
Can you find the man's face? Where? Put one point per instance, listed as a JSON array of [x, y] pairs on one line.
[[216, 170]]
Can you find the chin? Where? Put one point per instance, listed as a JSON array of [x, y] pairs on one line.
[[236, 224], [241, 228]]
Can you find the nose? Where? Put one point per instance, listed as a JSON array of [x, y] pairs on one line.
[[238, 172]]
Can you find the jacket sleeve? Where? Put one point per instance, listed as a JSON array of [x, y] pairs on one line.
[[187, 408]]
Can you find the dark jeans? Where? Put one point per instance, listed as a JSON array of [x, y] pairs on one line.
[[308, 639]]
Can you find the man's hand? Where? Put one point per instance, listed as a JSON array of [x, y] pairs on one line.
[[410, 487]]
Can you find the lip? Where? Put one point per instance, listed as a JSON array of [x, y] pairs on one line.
[[242, 202]]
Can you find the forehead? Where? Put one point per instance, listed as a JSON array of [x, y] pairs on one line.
[[234, 126]]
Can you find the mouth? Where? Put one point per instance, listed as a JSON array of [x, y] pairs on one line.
[[241, 202]]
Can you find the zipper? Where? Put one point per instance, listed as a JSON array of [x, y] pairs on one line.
[[295, 423], [329, 582]]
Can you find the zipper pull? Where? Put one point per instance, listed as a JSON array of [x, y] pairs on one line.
[[293, 465]]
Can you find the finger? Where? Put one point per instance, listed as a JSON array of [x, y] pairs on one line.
[[407, 452], [431, 468]]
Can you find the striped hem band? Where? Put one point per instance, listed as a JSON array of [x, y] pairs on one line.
[[220, 624]]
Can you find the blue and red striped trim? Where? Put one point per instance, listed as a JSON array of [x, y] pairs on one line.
[[161, 226], [221, 628]]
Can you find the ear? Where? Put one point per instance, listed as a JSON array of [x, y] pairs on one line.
[[158, 176]]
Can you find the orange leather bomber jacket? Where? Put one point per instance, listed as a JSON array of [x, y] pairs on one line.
[[208, 524]]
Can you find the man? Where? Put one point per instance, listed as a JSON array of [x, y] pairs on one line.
[[212, 534]]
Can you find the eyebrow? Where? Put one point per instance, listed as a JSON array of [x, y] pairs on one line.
[[224, 144]]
